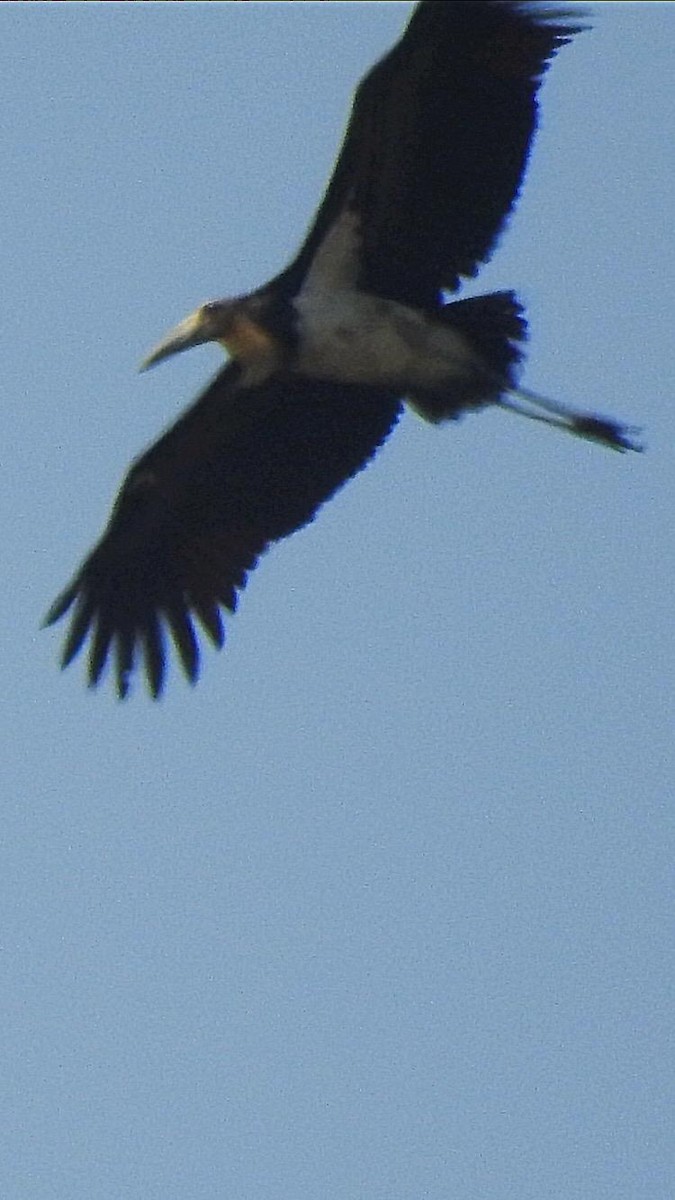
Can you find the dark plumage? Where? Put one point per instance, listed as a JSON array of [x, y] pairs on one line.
[[429, 170], [162, 561], [437, 143]]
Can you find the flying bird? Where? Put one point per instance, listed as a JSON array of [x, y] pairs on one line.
[[322, 358]]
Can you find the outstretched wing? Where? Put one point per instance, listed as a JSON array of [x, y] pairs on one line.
[[437, 145], [241, 469]]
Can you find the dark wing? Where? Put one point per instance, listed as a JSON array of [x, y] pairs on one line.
[[437, 144], [241, 469]]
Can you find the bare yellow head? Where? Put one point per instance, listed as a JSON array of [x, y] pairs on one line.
[[223, 321]]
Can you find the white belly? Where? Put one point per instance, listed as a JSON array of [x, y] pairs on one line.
[[359, 338]]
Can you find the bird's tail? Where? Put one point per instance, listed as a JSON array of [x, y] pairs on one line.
[[495, 328]]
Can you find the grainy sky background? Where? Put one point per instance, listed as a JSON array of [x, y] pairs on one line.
[[383, 910]]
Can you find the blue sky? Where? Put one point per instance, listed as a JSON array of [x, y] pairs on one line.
[[382, 910]]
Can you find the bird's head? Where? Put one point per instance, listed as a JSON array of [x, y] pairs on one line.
[[224, 321]]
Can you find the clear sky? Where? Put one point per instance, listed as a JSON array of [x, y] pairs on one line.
[[383, 909]]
